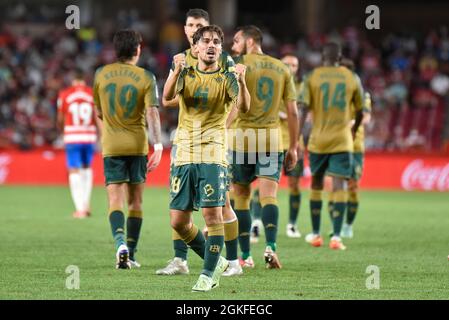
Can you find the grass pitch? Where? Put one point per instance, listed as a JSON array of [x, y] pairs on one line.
[[403, 234]]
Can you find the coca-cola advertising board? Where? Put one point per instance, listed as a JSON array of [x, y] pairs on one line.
[[382, 171]]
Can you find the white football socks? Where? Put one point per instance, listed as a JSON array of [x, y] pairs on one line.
[[76, 189], [87, 181]]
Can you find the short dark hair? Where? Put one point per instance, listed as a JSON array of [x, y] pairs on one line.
[[212, 28], [332, 52], [198, 13], [253, 32], [126, 43], [78, 74]]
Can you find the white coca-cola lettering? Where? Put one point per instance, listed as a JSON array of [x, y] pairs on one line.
[[419, 176]]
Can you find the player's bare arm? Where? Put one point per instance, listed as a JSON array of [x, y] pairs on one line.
[[232, 116], [244, 98], [293, 130], [303, 112], [154, 128], [358, 120], [169, 93], [366, 118], [173, 103]]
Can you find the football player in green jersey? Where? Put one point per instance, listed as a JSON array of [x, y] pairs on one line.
[[195, 19], [329, 91], [126, 98], [257, 144], [357, 169], [198, 175], [293, 176]]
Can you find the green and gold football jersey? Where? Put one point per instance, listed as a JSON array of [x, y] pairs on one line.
[[122, 92], [329, 93], [359, 141], [205, 100], [269, 83], [225, 62]]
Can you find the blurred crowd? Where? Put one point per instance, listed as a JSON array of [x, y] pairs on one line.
[[407, 76]]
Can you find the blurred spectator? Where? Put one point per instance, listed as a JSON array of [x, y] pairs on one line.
[[440, 84]]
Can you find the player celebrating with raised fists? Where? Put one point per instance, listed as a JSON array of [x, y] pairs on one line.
[[195, 19], [199, 172]]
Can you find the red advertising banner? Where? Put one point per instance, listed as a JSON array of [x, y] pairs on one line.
[[382, 171]]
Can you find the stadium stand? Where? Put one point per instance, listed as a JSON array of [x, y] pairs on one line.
[[408, 77]]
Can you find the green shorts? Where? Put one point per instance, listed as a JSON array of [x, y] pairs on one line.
[[194, 186], [332, 164], [357, 165], [246, 167], [297, 171], [125, 169]]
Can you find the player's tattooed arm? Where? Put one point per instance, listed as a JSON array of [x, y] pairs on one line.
[[244, 98], [154, 124], [169, 97], [154, 127]]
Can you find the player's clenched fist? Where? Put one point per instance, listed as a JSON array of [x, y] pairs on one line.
[[240, 70], [180, 61]]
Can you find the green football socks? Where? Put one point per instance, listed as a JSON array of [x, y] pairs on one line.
[[231, 234], [340, 203], [117, 221], [179, 246], [214, 245], [133, 227], [316, 204], [270, 217], [353, 206], [242, 212], [294, 205]]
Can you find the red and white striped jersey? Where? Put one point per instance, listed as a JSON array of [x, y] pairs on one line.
[[77, 106]]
